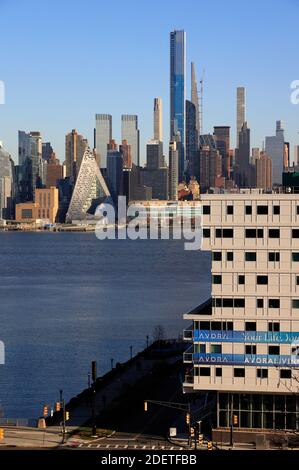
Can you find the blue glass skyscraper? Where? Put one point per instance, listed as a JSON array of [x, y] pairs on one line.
[[178, 91]]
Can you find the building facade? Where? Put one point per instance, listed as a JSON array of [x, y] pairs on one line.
[[241, 112], [245, 338], [158, 120], [44, 208], [75, 146]]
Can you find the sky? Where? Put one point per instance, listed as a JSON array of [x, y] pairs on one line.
[[63, 61]]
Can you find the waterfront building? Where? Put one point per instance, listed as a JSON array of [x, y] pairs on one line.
[[178, 92], [158, 120], [103, 135], [89, 191], [44, 208], [75, 147], [130, 133], [244, 350], [275, 148], [6, 184]]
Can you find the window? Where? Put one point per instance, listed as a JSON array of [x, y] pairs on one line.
[[297, 210], [297, 280], [206, 232], [241, 279], [248, 210], [250, 326], [273, 350], [262, 280], [227, 303], [204, 325], [216, 349], [262, 210], [274, 233], [218, 233], [276, 210], [229, 256], [239, 372], [250, 349], [250, 256], [216, 279], [216, 256], [230, 210], [26, 213], [218, 371], [254, 233], [200, 348], [295, 233], [295, 303], [273, 326], [285, 374], [227, 233], [295, 256], [273, 256], [216, 325], [262, 373], [239, 303], [260, 303], [273, 303], [206, 210], [205, 371]]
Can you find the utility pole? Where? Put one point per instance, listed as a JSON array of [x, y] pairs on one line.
[[63, 421], [93, 398]]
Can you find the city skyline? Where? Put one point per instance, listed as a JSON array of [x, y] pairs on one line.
[[56, 91]]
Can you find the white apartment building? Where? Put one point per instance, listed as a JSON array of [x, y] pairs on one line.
[[244, 339]]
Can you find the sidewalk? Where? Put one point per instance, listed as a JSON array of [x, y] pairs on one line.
[[32, 437]]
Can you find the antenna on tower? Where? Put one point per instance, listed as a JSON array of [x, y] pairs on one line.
[[201, 103]]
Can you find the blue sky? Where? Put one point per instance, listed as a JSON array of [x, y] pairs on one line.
[[63, 61]]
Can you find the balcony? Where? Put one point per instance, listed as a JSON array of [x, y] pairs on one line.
[[188, 355], [188, 334]]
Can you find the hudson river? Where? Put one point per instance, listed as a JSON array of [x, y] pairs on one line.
[[68, 298]]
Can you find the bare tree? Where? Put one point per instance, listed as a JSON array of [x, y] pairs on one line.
[[158, 333]]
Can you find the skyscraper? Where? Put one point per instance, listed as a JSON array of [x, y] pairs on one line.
[[263, 166], [75, 146], [296, 155], [241, 112], [155, 175], [6, 184], [192, 156], [221, 135], [275, 149], [158, 133], [210, 162], [115, 172], [173, 171], [47, 151], [178, 92], [103, 135], [194, 96], [31, 172], [154, 155], [130, 132], [243, 169]]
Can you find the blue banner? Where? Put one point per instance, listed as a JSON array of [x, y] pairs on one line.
[[246, 336], [246, 359]]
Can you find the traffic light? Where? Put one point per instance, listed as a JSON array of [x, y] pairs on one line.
[[145, 406], [187, 418], [210, 445], [45, 411], [235, 420], [192, 432], [1, 434], [200, 439], [57, 406], [67, 415]]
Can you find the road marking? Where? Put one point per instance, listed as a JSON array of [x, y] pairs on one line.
[[89, 445], [80, 445], [116, 447], [171, 448], [107, 446], [125, 447], [144, 447], [99, 445], [153, 447]]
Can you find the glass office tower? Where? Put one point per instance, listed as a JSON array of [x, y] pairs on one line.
[[178, 91]]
